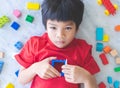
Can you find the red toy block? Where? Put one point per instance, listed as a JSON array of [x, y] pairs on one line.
[[111, 9], [103, 58], [102, 85]]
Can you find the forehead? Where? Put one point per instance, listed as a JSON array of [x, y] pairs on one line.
[[55, 22]]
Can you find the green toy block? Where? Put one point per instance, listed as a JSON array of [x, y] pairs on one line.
[[117, 69], [29, 18], [5, 19]]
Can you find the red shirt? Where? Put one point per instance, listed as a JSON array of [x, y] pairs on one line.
[[37, 48]]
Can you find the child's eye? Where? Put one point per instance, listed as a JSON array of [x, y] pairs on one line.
[[68, 28], [53, 28]]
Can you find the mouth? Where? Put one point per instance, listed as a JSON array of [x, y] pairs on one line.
[[60, 42]]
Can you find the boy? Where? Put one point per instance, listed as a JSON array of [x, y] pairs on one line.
[[61, 19]]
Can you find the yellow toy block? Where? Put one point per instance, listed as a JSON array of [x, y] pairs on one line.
[[33, 6], [105, 38], [10, 85]]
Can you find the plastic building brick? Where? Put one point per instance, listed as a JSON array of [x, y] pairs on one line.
[[102, 85], [18, 45], [99, 34], [116, 84], [10, 85], [33, 6], [107, 49], [29, 18], [1, 65], [3, 21], [109, 79], [117, 60], [57, 64], [103, 58], [110, 8], [15, 25], [117, 69], [16, 73], [117, 28], [1, 54], [114, 53], [99, 47], [17, 13], [105, 38]]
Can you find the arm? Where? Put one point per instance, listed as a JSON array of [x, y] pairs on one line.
[[43, 69], [76, 74]]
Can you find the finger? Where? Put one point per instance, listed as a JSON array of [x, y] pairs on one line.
[[67, 66], [54, 71]]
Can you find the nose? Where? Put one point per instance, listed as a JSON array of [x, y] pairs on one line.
[[60, 34]]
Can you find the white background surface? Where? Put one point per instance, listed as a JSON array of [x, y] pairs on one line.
[[93, 17]]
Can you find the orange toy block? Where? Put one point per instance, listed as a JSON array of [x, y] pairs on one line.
[[107, 49], [117, 28], [114, 53]]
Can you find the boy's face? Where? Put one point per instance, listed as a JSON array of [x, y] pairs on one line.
[[61, 33]]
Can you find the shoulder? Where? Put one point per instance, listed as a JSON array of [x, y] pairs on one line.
[[37, 41]]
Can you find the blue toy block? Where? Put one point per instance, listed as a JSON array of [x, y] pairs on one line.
[[109, 79], [116, 84], [57, 64], [99, 47], [99, 34], [16, 73], [1, 65], [19, 45], [15, 25]]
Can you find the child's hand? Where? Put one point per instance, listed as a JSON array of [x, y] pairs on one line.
[[75, 74], [45, 70]]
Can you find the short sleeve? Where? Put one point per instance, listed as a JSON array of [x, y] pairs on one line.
[[26, 55], [89, 62]]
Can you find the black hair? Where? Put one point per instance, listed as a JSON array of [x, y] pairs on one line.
[[62, 10]]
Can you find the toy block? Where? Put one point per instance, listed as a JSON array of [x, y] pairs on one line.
[[18, 45], [105, 38], [99, 34], [116, 84], [109, 79], [10, 85], [33, 6], [117, 69], [102, 85], [16, 73], [107, 49], [117, 60], [99, 47], [15, 25], [1, 54], [57, 64], [117, 28], [114, 52], [103, 58], [3, 21], [1, 65], [17, 13], [29, 18]]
